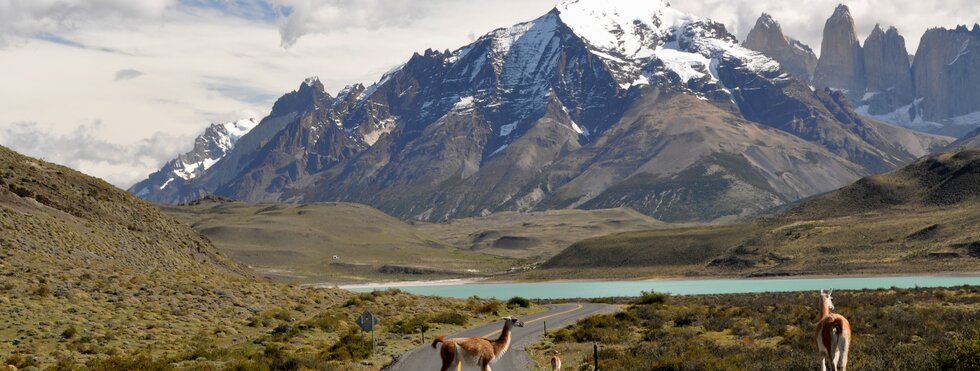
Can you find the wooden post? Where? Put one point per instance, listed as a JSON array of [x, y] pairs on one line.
[[595, 355], [545, 323]]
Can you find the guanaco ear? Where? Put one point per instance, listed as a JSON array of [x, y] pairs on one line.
[[821, 292], [831, 293]]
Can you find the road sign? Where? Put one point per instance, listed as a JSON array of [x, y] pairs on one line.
[[367, 320]]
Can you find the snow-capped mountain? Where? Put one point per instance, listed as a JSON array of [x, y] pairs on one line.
[[214, 144], [594, 104]]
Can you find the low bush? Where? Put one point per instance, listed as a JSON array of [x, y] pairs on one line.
[[963, 354], [411, 325], [484, 306], [326, 321], [450, 318], [518, 302], [353, 347], [647, 298]]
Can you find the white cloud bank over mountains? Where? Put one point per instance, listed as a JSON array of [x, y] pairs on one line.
[[152, 69]]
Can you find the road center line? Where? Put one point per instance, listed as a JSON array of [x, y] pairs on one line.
[[577, 307]]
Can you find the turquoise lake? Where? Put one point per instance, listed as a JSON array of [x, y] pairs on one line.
[[596, 289]]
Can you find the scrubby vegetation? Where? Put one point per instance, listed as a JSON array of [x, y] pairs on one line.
[[914, 329], [306, 336], [92, 278]]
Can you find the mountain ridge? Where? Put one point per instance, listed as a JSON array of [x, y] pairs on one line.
[[511, 122], [919, 218]]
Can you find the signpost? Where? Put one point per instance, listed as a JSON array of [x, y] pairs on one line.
[[367, 320]]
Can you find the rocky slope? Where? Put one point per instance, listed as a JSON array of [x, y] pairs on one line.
[[970, 140], [592, 105], [795, 57]]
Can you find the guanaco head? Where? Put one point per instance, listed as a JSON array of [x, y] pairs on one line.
[[513, 321], [827, 297]]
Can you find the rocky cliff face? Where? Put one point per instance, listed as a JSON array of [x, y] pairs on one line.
[[936, 91], [841, 64], [946, 73], [795, 57], [594, 104], [887, 72]]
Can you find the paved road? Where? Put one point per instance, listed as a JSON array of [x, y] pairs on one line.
[[424, 358]]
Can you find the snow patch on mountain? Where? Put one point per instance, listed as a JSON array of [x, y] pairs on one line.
[[464, 103], [216, 142], [631, 34], [687, 66], [505, 130], [622, 27]]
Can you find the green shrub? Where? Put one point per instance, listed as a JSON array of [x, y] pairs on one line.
[[21, 361], [602, 328], [647, 298], [69, 333], [353, 347], [139, 362], [484, 306], [451, 318], [284, 332], [518, 301], [43, 290], [411, 325], [326, 321], [964, 354]]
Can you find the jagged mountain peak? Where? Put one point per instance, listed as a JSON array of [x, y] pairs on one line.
[[877, 30], [312, 80], [215, 143], [767, 21], [841, 11], [767, 38]]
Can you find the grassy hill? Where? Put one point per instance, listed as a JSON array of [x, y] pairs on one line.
[[329, 242], [918, 219], [90, 270], [343, 242], [537, 234], [92, 278]]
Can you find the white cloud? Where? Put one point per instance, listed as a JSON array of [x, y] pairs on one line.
[[27, 18], [84, 149], [330, 16]]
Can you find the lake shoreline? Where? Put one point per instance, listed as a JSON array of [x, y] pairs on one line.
[[570, 289], [491, 280]]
